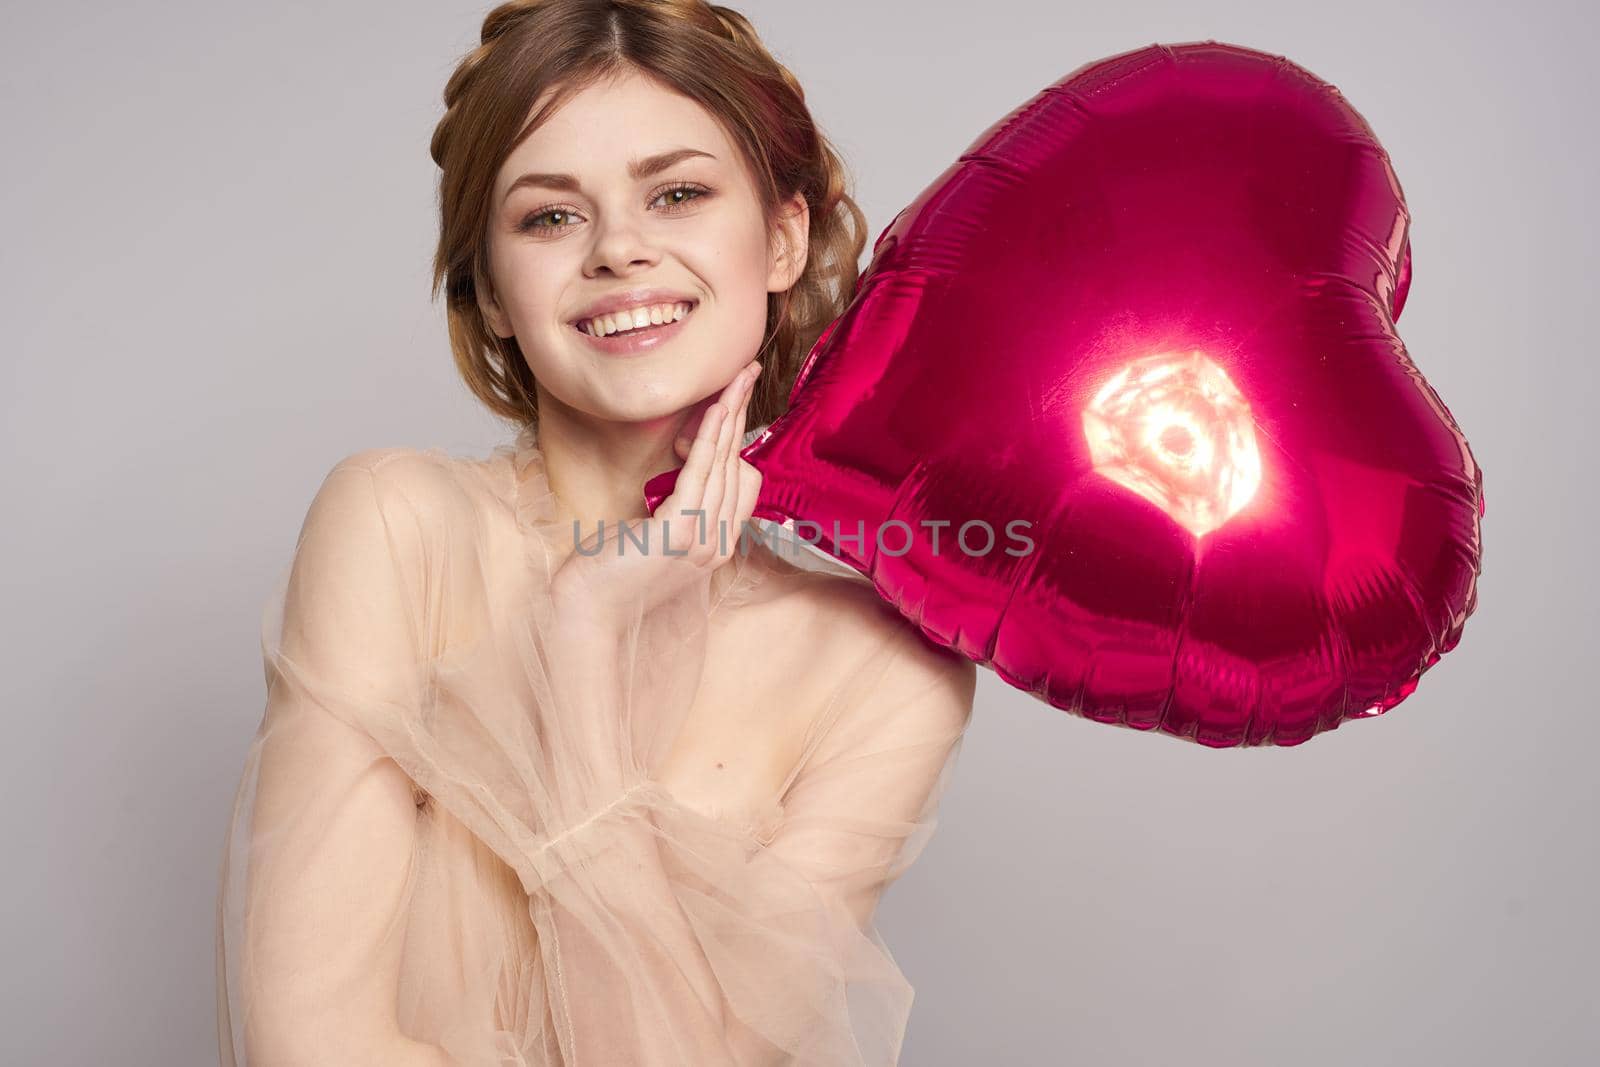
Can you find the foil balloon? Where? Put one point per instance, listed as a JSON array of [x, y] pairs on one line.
[[1119, 410]]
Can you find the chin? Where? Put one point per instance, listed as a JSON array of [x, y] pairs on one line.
[[646, 405]]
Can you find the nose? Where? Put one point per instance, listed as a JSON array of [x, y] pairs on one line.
[[620, 248]]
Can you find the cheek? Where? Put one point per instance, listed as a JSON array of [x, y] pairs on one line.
[[738, 267], [741, 318], [525, 282]]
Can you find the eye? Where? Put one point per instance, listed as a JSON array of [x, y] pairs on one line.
[[681, 195], [532, 221], [677, 196]]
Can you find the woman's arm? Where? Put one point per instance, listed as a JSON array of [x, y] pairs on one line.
[[332, 821], [867, 798], [784, 951], [855, 818], [655, 948]]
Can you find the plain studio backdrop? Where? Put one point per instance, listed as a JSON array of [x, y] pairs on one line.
[[218, 225]]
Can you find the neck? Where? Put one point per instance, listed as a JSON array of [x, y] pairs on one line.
[[598, 468]]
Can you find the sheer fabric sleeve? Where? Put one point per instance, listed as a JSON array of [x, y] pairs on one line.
[[315, 879], [454, 842], [857, 816], [680, 942], [866, 801]]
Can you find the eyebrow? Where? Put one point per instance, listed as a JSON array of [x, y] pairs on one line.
[[637, 170]]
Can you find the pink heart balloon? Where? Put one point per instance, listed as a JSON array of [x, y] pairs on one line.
[[1146, 324]]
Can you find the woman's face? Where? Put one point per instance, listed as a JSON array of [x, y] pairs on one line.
[[572, 226]]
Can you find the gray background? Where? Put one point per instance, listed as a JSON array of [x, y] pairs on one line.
[[218, 220]]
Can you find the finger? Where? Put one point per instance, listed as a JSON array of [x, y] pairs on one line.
[[728, 397], [730, 487], [731, 501], [693, 509], [716, 492], [689, 490], [743, 410]]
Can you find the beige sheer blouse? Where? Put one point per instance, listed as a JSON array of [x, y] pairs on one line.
[[461, 837]]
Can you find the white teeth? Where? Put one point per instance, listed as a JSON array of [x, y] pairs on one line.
[[633, 319]]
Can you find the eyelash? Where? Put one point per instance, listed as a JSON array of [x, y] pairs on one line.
[[528, 223]]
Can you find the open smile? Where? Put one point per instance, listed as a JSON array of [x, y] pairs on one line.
[[640, 329]]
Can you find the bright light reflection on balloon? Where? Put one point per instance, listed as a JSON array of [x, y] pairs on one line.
[[1176, 430]]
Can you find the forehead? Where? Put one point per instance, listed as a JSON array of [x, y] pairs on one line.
[[604, 126]]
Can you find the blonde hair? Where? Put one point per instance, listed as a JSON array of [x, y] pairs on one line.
[[706, 52]]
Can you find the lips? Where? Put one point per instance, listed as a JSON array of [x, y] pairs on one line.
[[628, 320], [637, 341], [631, 298]]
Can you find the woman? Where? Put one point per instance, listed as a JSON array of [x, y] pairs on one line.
[[532, 790]]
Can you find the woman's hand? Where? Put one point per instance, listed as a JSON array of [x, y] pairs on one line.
[[695, 530]]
